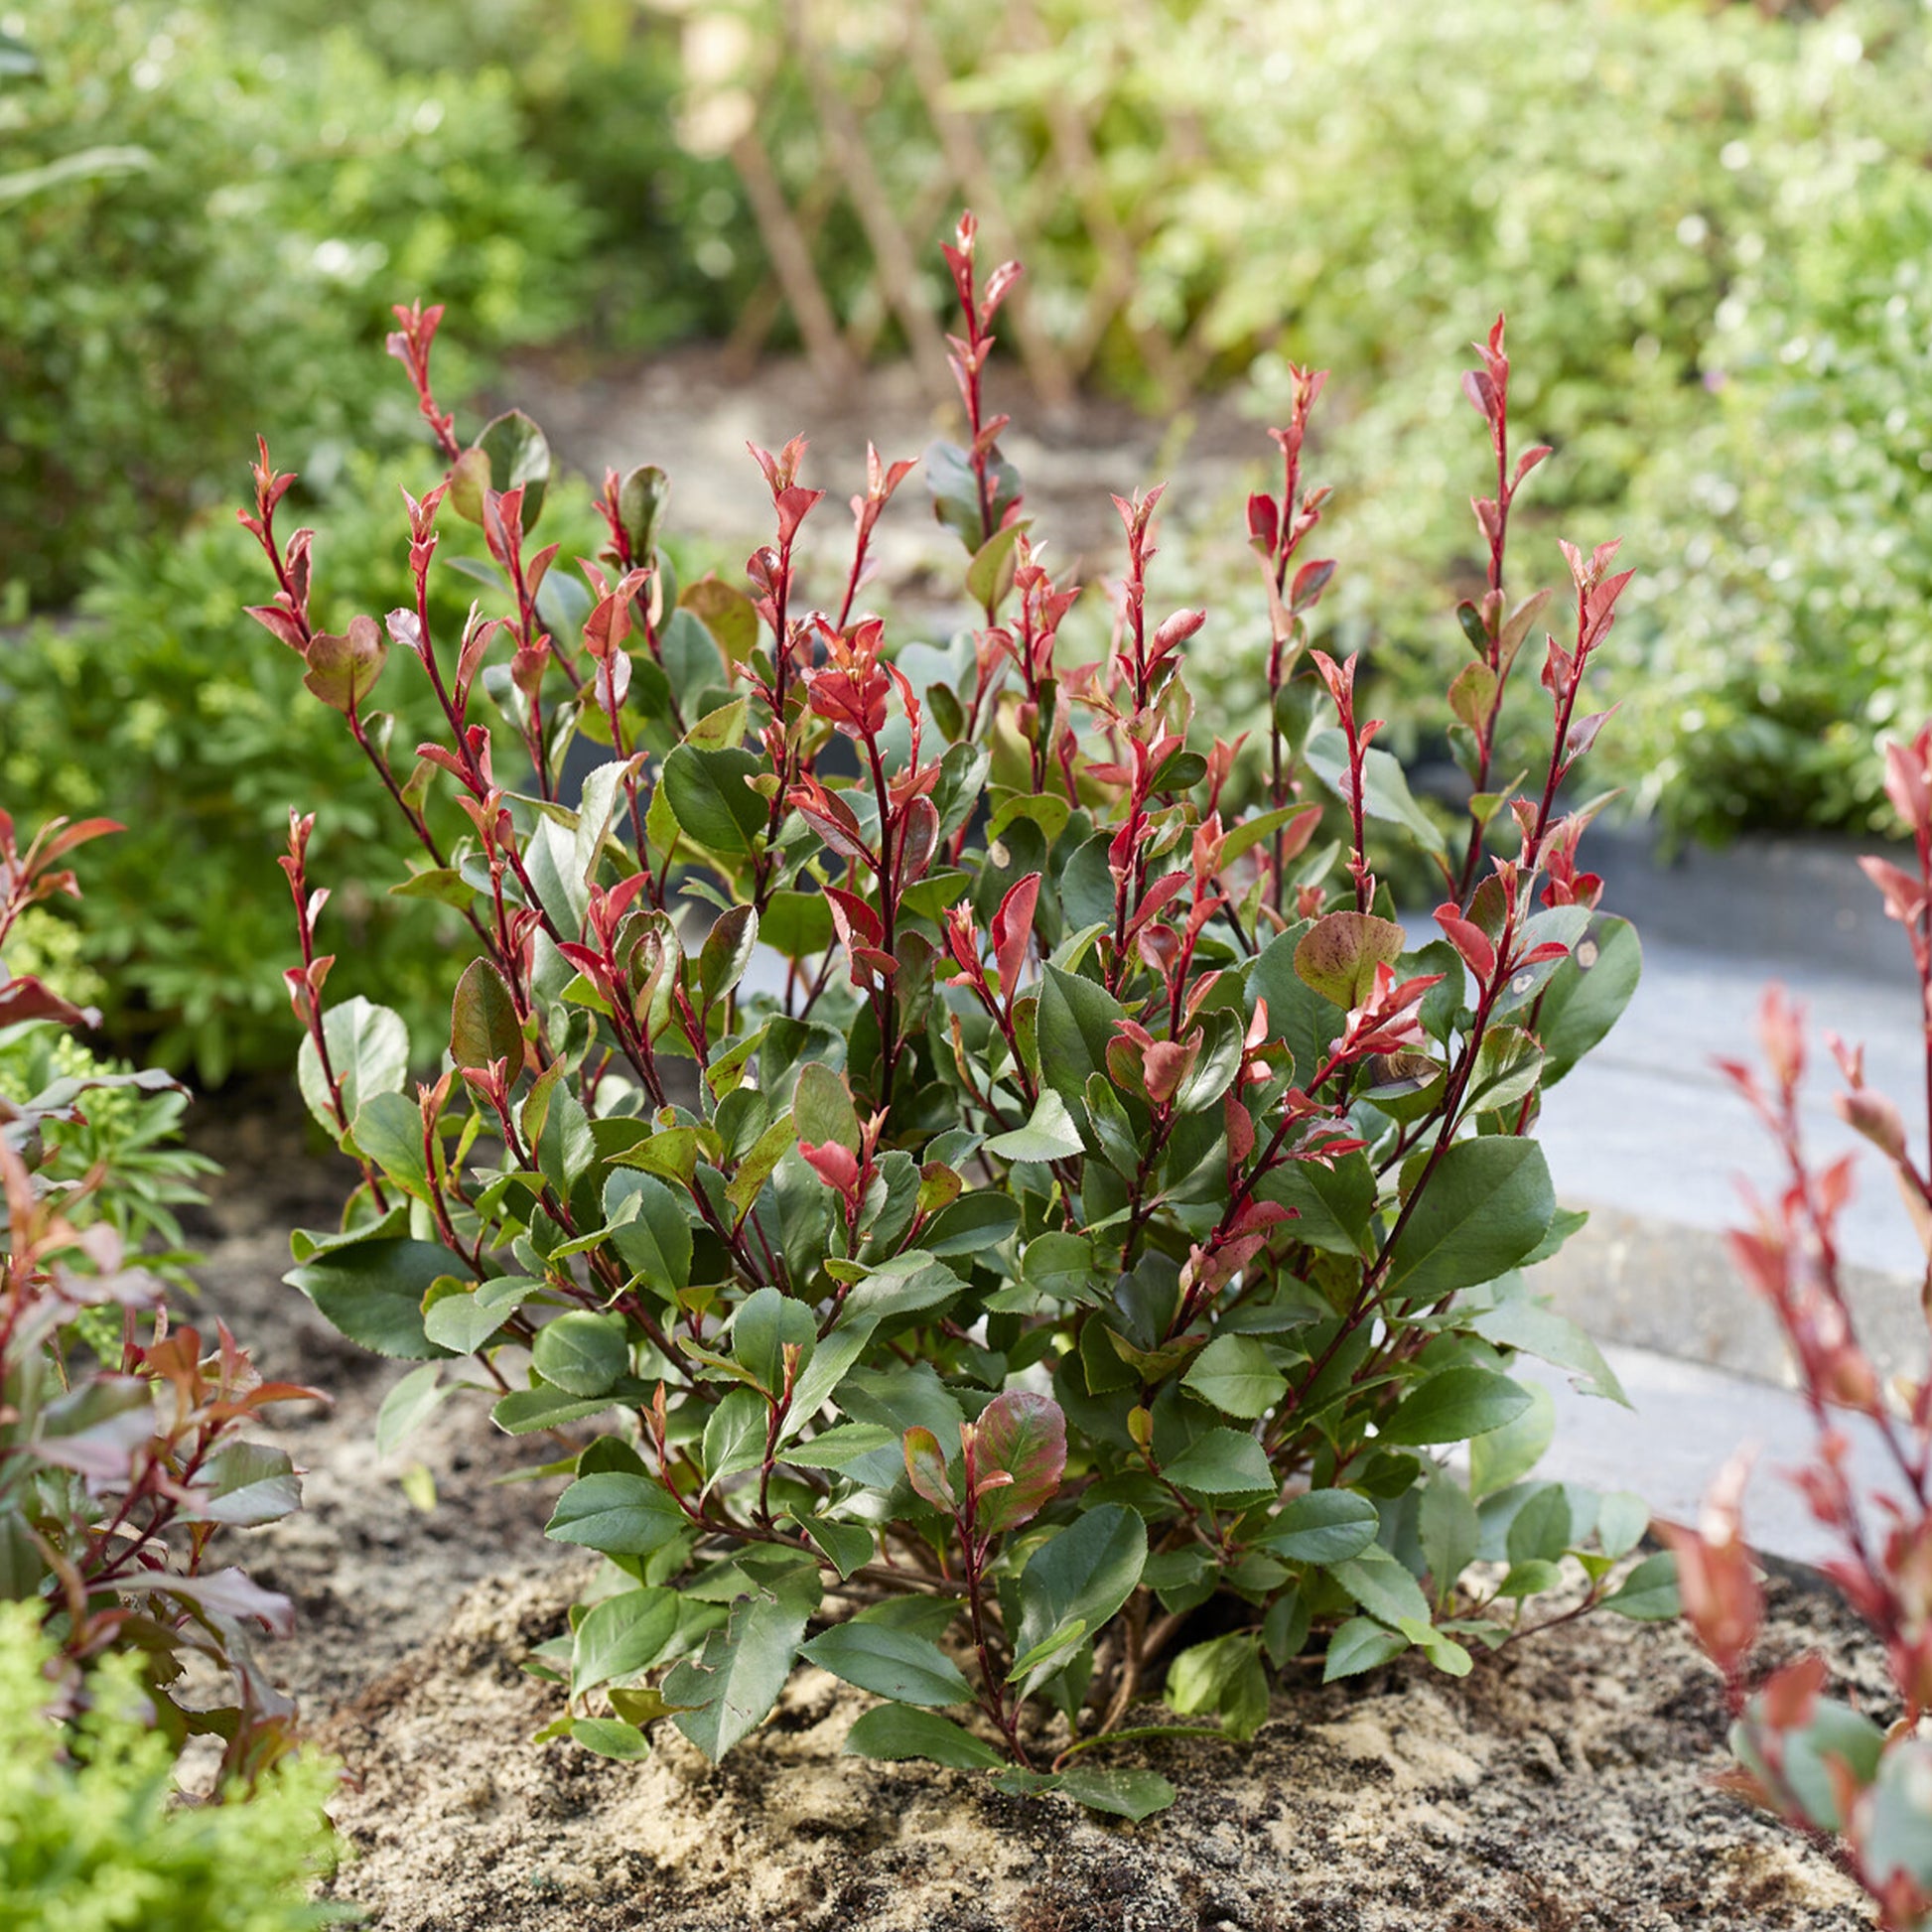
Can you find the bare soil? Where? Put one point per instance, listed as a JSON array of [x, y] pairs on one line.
[[1564, 1785]]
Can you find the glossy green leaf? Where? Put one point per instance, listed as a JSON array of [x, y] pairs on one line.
[[891, 1663], [1455, 1404]]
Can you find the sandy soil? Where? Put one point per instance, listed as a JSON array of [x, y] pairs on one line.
[[1562, 1786]]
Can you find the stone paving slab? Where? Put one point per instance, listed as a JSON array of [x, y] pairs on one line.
[[1686, 1421]]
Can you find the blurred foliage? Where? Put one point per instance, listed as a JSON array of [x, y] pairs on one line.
[[91, 1835], [200, 235], [123, 1161]]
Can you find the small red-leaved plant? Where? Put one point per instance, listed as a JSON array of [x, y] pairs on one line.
[[123, 1450], [937, 1170], [1818, 1762]]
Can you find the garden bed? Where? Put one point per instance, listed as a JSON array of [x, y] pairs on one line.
[[1566, 1784]]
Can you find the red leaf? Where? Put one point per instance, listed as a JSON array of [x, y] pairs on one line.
[[1013, 927]]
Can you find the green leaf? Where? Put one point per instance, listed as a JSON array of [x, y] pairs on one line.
[[1233, 1372], [1506, 1454], [462, 1323], [655, 1240], [1442, 1651], [1588, 993], [1222, 1675], [617, 1512], [245, 1484], [743, 1667], [1323, 1526], [1361, 1645], [891, 1663], [735, 1435], [1454, 1403], [850, 1545], [1123, 1790], [609, 1738], [1049, 1135], [1487, 1203], [1621, 1519], [1085, 1573], [974, 1224], [515, 453], [368, 1049], [525, 1411], [797, 925], [621, 1635], [727, 612], [711, 795], [989, 575], [407, 1406], [1383, 1587], [764, 1323], [1333, 1202], [1449, 1532], [372, 1290], [1649, 1594], [896, 1730], [582, 1353], [822, 1109], [758, 1162], [1021, 1436], [1551, 1338], [1074, 1021], [1222, 1462], [641, 497], [1539, 1530]]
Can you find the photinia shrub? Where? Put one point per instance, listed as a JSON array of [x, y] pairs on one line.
[[1820, 1763], [123, 1445], [968, 1208]]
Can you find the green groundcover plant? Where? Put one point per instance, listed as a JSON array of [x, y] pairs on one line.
[[966, 1210], [90, 1837], [124, 1450]]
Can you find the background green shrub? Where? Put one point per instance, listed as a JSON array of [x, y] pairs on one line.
[[200, 235]]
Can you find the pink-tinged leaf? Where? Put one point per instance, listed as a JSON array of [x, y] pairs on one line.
[[1525, 463], [484, 1026], [918, 840], [1481, 393], [836, 1166], [1309, 582], [230, 1594], [342, 670], [1723, 1599], [1338, 956], [1264, 522], [1469, 939], [1013, 927], [1904, 895], [925, 1468], [858, 925], [79, 833], [1021, 1436], [26, 997], [271, 616]]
